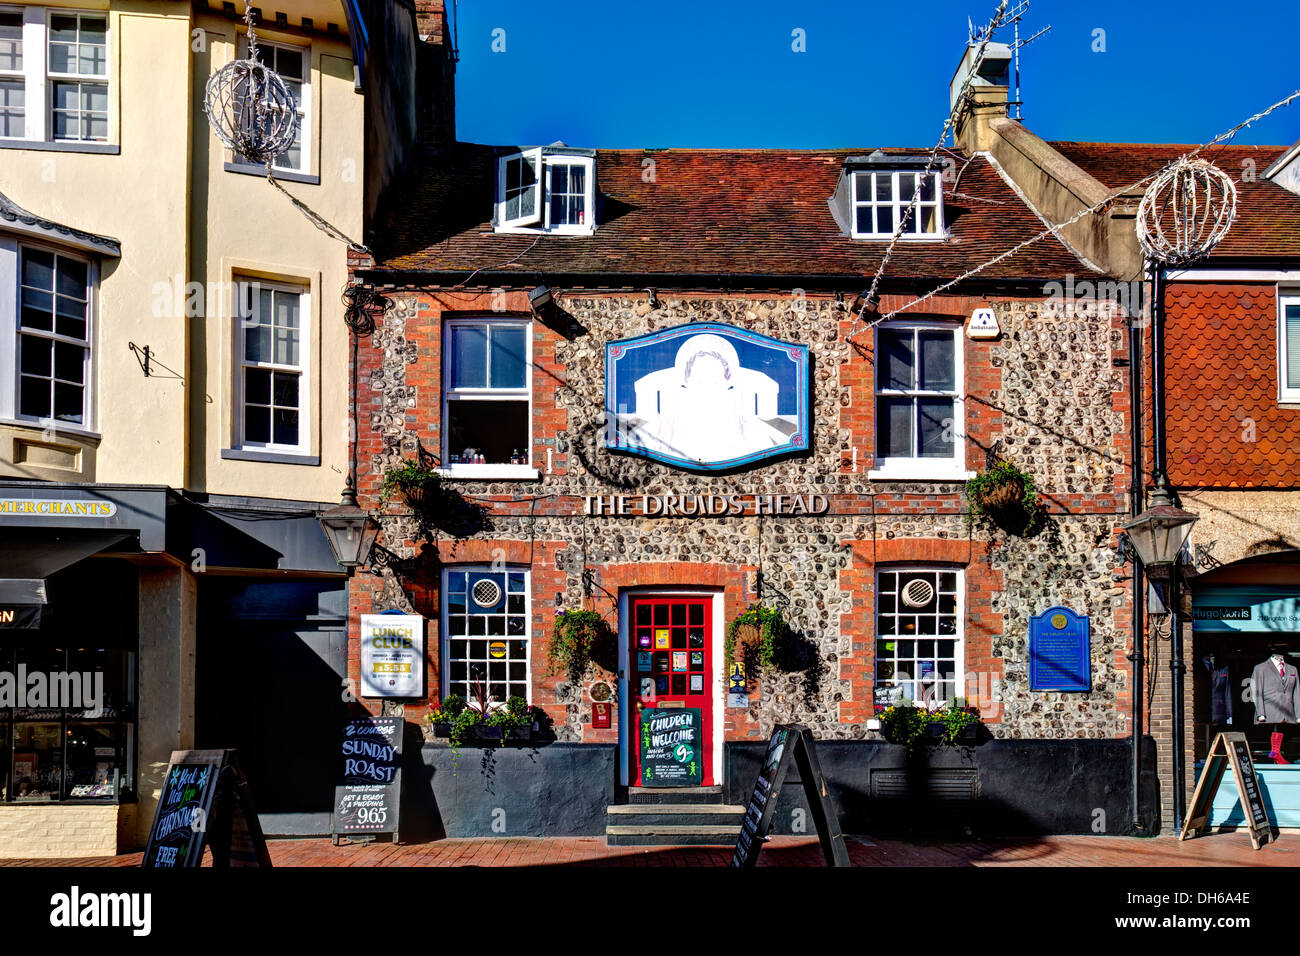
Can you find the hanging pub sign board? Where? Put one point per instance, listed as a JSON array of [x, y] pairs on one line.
[[205, 801], [368, 797], [392, 655], [672, 747], [1060, 651], [1229, 749], [706, 396], [790, 742]]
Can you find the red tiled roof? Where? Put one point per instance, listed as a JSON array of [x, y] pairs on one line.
[[1268, 216], [1226, 428], [706, 212]]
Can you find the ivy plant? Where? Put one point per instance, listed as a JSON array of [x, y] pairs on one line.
[[576, 639], [1006, 495], [772, 629]]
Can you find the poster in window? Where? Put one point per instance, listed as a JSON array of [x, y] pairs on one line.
[[706, 396], [392, 655]]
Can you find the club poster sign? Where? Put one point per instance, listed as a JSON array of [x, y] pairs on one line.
[[672, 752], [706, 396], [392, 655], [367, 797]]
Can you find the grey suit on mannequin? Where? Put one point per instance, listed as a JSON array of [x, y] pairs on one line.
[[1277, 697]]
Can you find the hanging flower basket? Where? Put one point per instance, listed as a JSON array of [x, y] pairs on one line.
[[578, 639], [760, 633], [1007, 496], [419, 486]]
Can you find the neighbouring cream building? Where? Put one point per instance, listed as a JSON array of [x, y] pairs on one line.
[[173, 399]]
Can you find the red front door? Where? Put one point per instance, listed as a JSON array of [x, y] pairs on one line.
[[670, 666]]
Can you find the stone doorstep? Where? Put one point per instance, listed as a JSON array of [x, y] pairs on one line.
[[661, 835]]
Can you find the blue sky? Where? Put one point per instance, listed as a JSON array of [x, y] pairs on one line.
[[622, 73]]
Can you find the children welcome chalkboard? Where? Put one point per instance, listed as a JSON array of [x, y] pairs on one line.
[[672, 747]]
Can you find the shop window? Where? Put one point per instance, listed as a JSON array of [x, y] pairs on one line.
[[1289, 309], [293, 63], [918, 636], [53, 332], [486, 410], [485, 645], [74, 742], [273, 370], [919, 429], [883, 198], [543, 190]]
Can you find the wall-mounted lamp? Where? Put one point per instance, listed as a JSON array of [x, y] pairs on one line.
[[539, 299]]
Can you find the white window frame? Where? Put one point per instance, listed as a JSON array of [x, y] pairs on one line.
[[916, 468], [38, 107], [450, 394], [21, 74], [898, 205], [1286, 394], [959, 637], [444, 643], [304, 104], [303, 447], [539, 221], [97, 78], [10, 305]]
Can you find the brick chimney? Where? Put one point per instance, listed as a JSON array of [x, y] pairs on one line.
[[436, 74], [977, 96]]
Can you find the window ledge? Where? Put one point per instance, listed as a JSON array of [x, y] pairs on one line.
[[284, 175], [886, 236], [276, 457], [491, 472], [81, 434], [61, 146], [1289, 404], [539, 231], [919, 472]]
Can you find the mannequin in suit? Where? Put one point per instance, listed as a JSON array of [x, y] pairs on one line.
[[1220, 691], [1275, 687]]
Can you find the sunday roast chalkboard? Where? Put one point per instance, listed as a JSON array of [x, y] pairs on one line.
[[672, 747], [789, 741], [367, 798], [205, 801]]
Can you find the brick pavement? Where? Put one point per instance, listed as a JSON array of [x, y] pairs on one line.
[[1217, 849]]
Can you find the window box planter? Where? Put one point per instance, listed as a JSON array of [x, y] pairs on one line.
[[483, 732], [442, 729]]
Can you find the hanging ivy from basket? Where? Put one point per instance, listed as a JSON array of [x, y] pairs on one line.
[[762, 632], [1007, 496], [578, 639]]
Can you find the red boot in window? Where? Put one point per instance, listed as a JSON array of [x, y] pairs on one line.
[[1275, 748]]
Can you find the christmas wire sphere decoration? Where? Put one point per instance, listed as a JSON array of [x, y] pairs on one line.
[[250, 107], [1186, 211]]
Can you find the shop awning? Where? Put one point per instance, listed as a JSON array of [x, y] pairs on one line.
[[30, 555]]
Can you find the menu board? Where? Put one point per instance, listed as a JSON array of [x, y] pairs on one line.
[[180, 822], [367, 798], [205, 800], [1229, 749], [790, 742], [672, 747]]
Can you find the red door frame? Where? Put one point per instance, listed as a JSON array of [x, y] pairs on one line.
[[691, 637]]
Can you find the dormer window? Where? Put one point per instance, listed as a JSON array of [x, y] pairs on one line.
[[546, 189], [881, 198]]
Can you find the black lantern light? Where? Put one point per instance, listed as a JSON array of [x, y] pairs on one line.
[[1158, 534], [349, 529]]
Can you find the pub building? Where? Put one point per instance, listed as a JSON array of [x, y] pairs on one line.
[[649, 389]]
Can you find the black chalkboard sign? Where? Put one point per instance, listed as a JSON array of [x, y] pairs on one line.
[[368, 796], [672, 747], [1229, 749], [789, 741], [205, 801]]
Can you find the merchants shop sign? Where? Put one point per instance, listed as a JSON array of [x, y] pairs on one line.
[[57, 508], [706, 396], [703, 506]]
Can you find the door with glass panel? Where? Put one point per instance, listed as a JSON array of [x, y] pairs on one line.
[[670, 654]]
